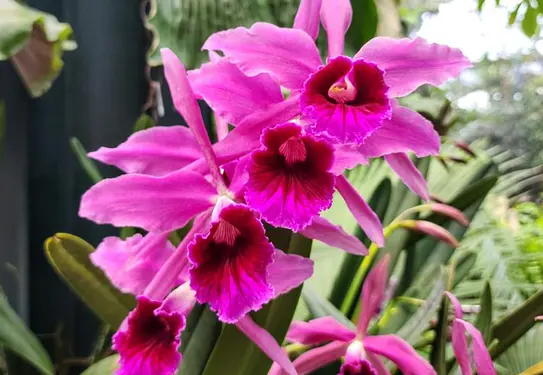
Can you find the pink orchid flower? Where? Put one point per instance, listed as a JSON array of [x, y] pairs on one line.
[[149, 339], [290, 181], [280, 185], [479, 353], [362, 352], [165, 189], [349, 101], [236, 269]]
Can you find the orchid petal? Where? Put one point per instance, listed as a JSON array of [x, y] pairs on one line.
[[410, 63], [400, 352], [156, 151], [265, 341], [481, 357], [288, 271], [322, 230], [378, 365], [307, 17], [288, 55], [373, 294], [130, 264], [221, 127], [149, 339], [177, 265], [336, 17], [230, 93], [229, 263], [459, 340], [316, 358], [181, 300], [289, 179], [245, 138], [409, 174], [364, 215], [318, 331], [158, 204], [347, 156], [405, 131], [460, 347], [358, 104], [186, 104], [239, 177], [456, 305]]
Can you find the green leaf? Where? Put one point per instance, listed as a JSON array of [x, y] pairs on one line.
[[439, 346], [536, 369], [35, 41], [16, 337], [202, 340], [514, 14], [318, 307], [363, 26], [463, 265], [425, 251], [143, 122], [419, 322], [526, 355], [234, 351], [529, 23], [480, 4], [515, 324], [106, 366], [184, 25], [69, 256], [484, 318], [86, 163]]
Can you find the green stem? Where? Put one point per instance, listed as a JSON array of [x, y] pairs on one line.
[[87, 164], [363, 270]]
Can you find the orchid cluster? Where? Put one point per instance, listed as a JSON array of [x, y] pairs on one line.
[[298, 124]]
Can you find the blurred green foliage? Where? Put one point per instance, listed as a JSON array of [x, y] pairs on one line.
[[35, 41]]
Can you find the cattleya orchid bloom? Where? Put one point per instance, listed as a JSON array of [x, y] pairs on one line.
[[281, 163], [236, 269], [347, 99], [361, 351], [148, 340], [348, 104], [224, 234], [291, 180], [158, 196], [479, 355]]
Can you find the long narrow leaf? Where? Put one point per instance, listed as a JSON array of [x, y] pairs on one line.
[[16, 337]]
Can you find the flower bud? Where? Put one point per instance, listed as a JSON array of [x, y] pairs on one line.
[[465, 147], [431, 229], [453, 213]]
